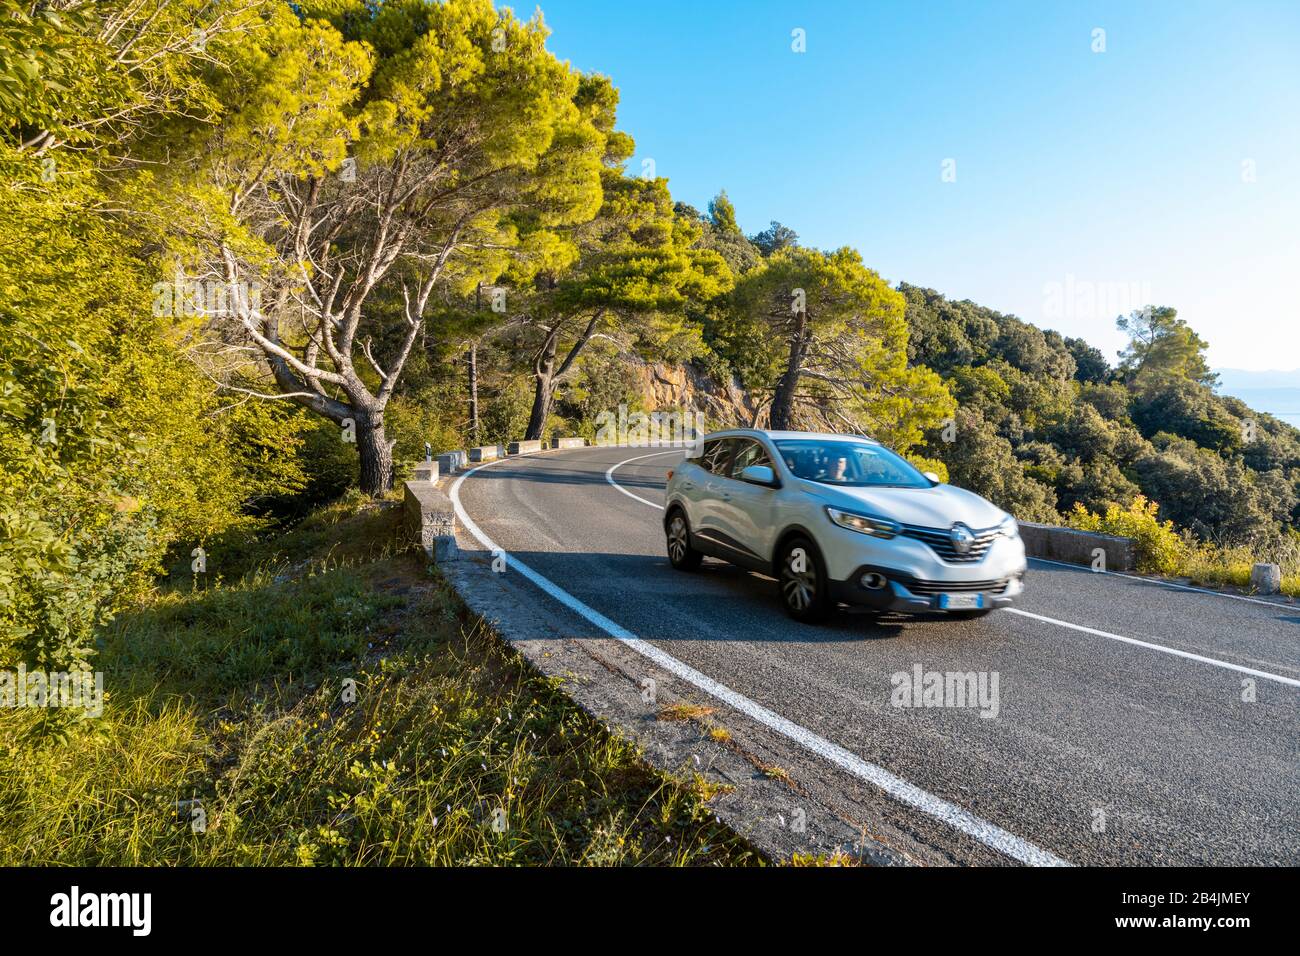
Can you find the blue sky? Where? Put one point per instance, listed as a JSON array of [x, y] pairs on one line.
[[1086, 182]]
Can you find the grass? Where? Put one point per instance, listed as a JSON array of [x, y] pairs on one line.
[[709, 789], [320, 698], [1214, 566], [682, 712], [823, 859]]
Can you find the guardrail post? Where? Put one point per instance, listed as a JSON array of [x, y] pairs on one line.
[[449, 462], [430, 519], [1266, 578]]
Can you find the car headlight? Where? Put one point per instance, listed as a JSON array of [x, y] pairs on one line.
[[865, 524], [1008, 528]]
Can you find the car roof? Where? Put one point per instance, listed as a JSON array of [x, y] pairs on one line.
[[779, 435]]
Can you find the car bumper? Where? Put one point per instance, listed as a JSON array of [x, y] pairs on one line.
[[888, 589]]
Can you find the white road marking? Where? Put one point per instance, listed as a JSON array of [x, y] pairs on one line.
[[959, 819], [609, 475], [1171, 584], [1157, 647]]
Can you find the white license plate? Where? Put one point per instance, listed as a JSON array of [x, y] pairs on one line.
[[960, 602]]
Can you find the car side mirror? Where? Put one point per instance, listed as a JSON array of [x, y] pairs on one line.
[[932, 476], [759, 475]]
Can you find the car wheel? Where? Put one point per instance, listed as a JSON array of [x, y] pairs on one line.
[[680, 553], [805, 588]]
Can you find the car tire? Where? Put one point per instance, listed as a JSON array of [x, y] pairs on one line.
[[681, 555], [804, 584]]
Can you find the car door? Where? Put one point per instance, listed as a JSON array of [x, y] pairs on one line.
[[705, 494], [743, 511]]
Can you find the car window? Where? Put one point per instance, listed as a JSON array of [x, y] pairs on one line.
[[849, 463], [748, 453], [716, 454]]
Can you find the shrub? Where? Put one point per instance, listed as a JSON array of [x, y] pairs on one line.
[[1160, 550]]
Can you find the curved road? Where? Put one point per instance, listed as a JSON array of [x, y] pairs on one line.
[[1135, 723]]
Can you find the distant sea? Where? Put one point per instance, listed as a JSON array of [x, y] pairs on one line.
[[1284, 403], [1277, 393]]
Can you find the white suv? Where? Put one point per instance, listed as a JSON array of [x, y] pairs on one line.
[[841, 519]]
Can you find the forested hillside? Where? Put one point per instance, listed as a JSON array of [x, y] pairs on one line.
[[1050, 424], [254, 254]]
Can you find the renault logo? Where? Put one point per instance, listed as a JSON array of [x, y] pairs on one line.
[[962, 538]]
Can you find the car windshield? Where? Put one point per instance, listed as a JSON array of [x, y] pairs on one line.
[[849, 463]]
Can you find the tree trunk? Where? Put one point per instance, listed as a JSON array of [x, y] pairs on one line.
[[472, 360], [783, 401], [548, 376], [543, 396], [544, 392], [376, 453]]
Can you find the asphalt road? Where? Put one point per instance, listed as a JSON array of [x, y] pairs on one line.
[[1138, 744]]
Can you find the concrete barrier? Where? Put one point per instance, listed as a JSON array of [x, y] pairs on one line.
[[426, 471], [486, 453], [430, 519], [568, 442], [523, 447], [450, 462], [1078, 547], [1266, 578]]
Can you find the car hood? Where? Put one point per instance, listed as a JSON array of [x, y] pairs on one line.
[[938, 507]]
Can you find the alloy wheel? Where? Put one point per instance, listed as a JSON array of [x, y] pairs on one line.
[[799, 579], [677, 539]]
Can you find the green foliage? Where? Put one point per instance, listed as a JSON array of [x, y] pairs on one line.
[[979, 459], [1090, 365], [847, 349], [113, 448], [1162, 346], [722, 214], [103, 76], [506, 417], [430, 412], [774, 238], [1216, 498], [606, 382], [739, 253], [1217, 469]]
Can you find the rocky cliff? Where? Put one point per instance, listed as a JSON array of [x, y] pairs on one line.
[[685, 387]]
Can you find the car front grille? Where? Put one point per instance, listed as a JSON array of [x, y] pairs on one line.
[[941, 544], [952, 587]]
